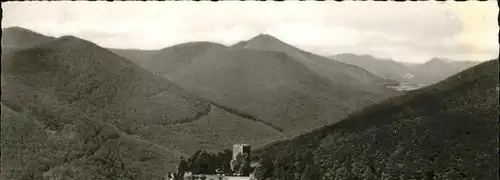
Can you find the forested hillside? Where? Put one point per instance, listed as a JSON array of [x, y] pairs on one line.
[[72, 109], [445, 131]]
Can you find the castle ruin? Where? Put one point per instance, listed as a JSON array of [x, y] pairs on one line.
[[240, 148]]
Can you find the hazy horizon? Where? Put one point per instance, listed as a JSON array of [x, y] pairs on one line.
[[426, 30]]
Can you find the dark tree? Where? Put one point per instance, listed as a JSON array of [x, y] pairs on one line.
[[227, 156], [202, 162], [242, 164], [265, 169], [182, 168], [237, 162], [245, 165], [192, 160]]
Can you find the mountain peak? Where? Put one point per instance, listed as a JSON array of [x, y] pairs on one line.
[[437, 61], [20, 38], [17, 29], [259, 40], [70, 37], [196, 43], [20, 31], [263, 36], [345, 54]]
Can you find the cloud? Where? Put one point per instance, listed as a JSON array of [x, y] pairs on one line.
[[413, 31]]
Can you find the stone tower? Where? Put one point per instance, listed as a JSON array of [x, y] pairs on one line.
[[240, 148], [237, 149]]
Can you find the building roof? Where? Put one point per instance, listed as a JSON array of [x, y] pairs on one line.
[[241, 145]]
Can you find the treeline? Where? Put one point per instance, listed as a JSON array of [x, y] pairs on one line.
[[202, 162], [287, 166]]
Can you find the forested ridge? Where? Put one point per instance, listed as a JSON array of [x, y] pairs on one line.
[[445, 131]]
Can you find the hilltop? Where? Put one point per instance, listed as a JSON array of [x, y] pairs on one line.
[[17, 38], [170, 59], [276, 87], [268, 85], [337, 72], [447, 131], [21, 38]]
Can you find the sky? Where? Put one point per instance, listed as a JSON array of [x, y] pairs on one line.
[[402, 31]]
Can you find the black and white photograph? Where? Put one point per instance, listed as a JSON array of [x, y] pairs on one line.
[[249, 90]]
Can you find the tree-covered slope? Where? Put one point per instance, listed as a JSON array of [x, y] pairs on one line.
[[272, 87], [338, 73], [173, 58], [78, 111], [445, 131]]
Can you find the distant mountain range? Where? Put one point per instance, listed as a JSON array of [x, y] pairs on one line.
[[428, 73], [448, 130], [271, 80], [72, 109]]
